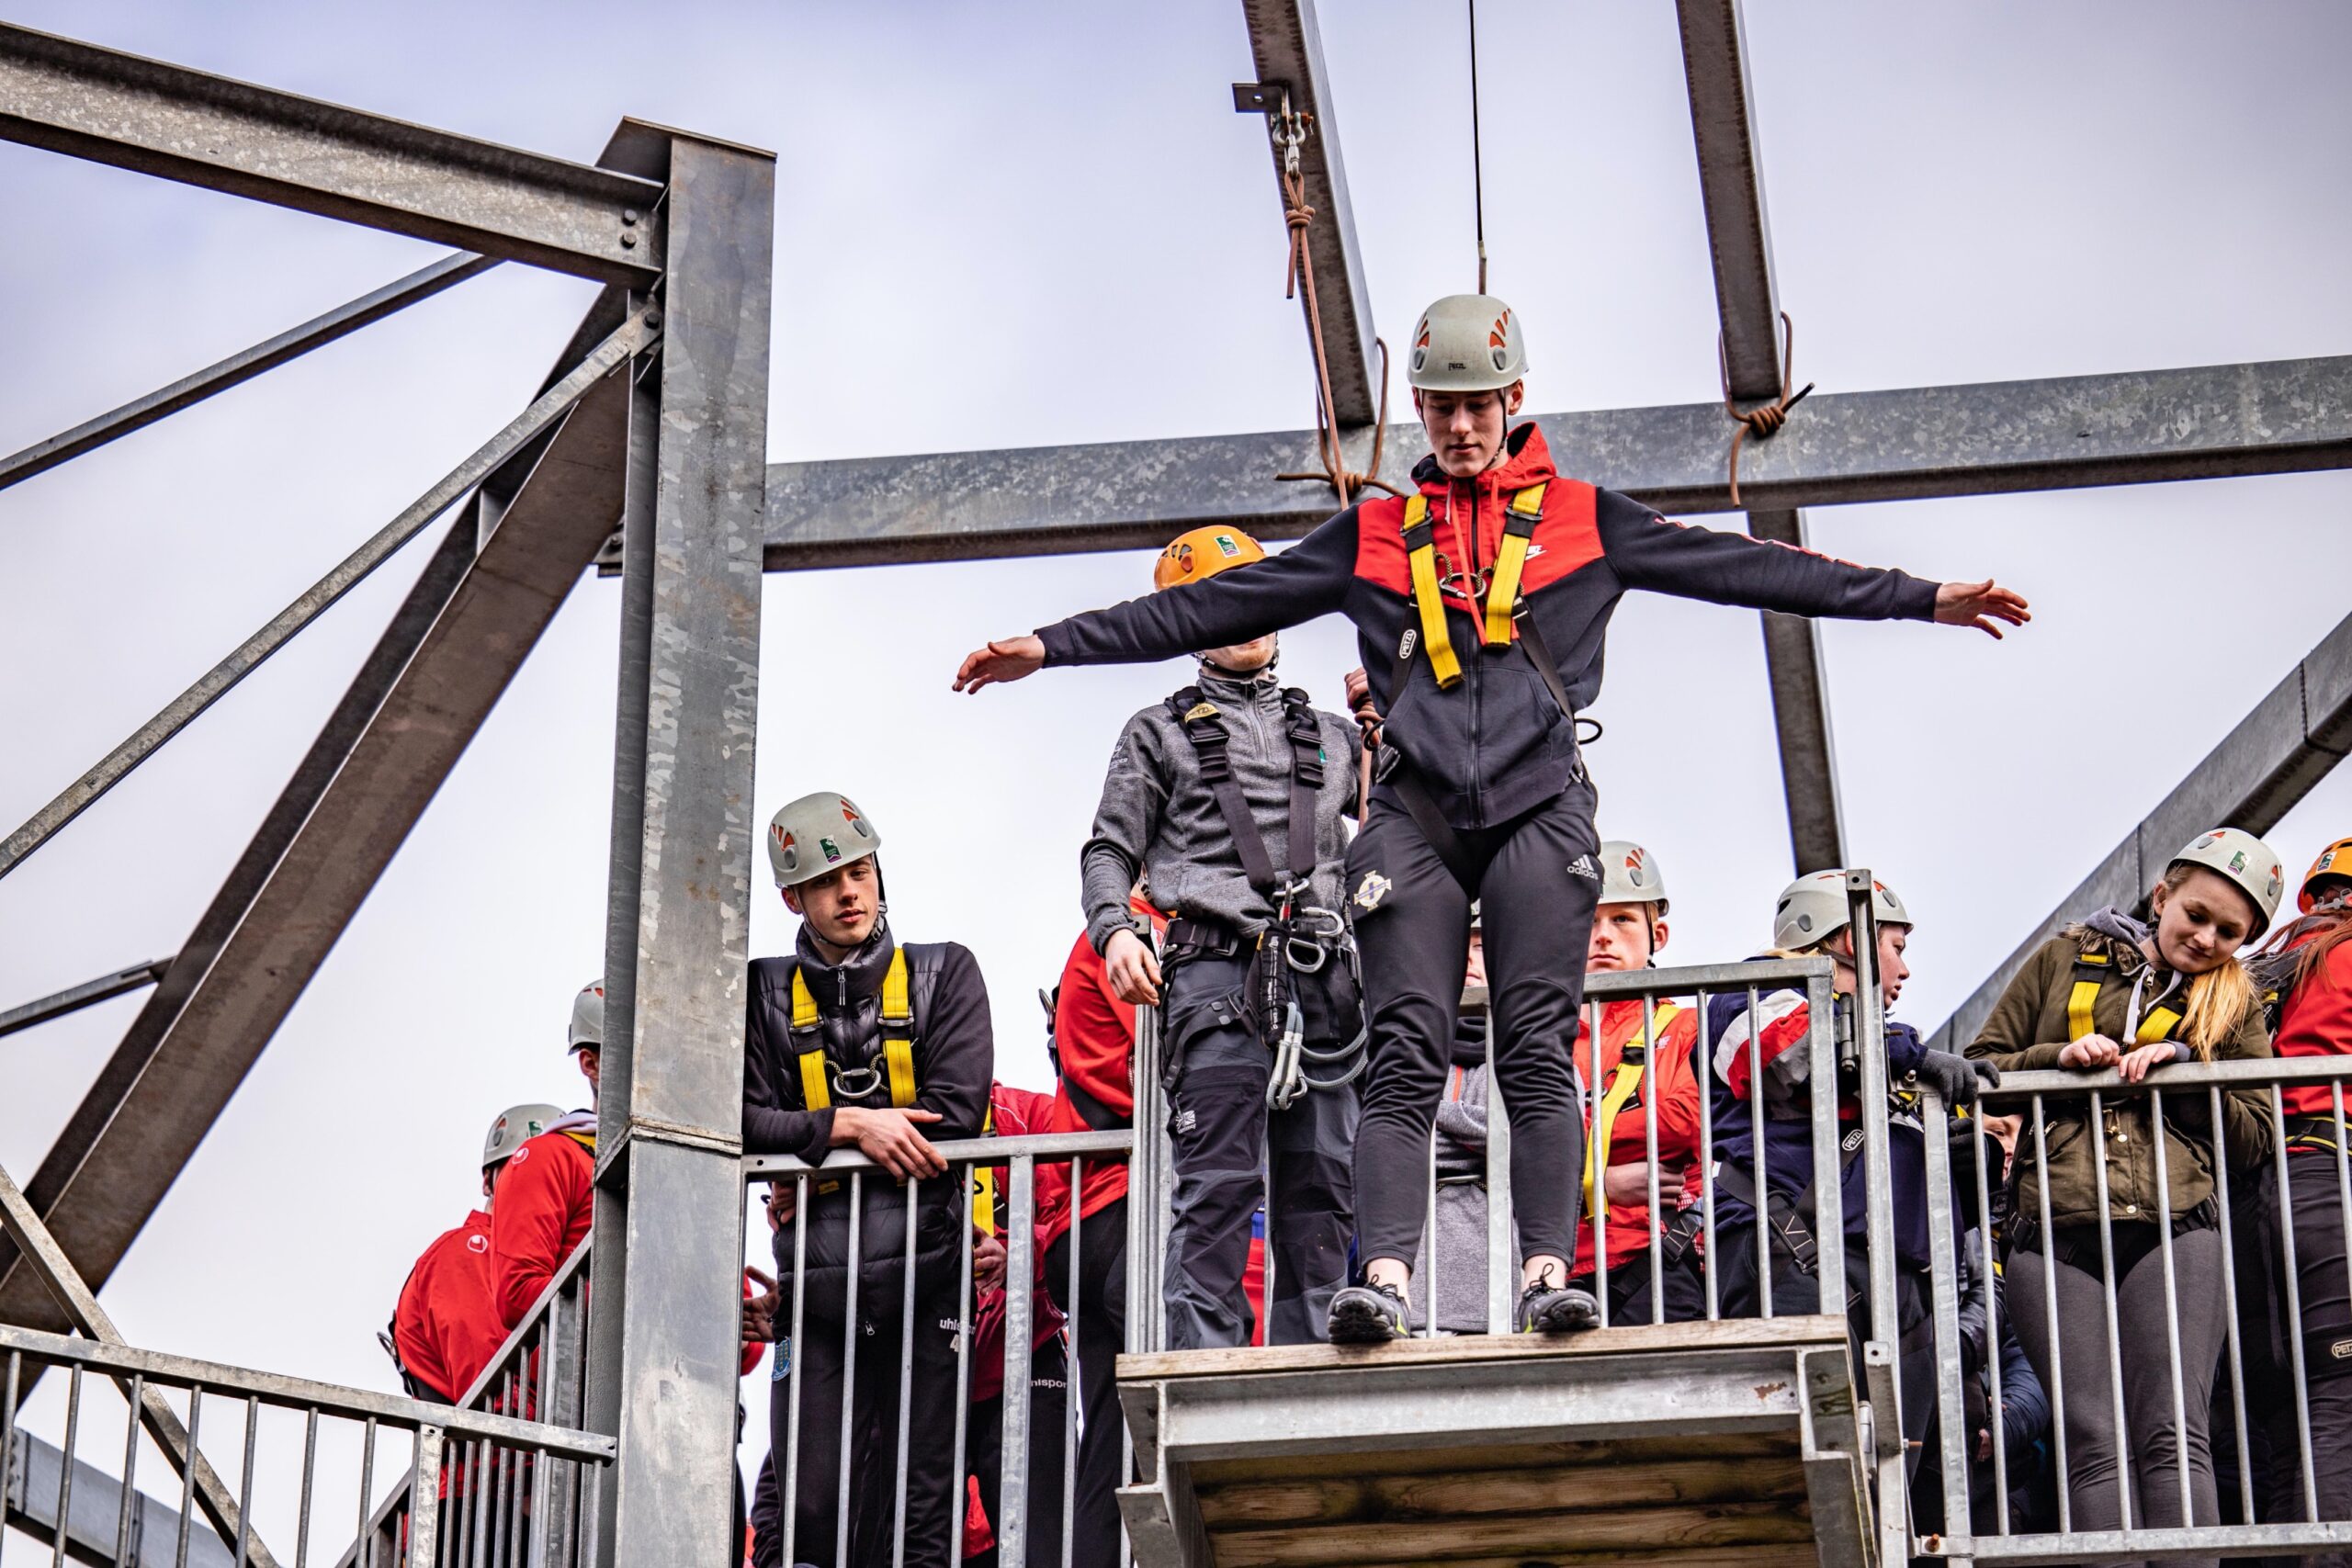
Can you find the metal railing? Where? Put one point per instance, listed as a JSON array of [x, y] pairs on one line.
[[2259, 1414], [321, 1418], [1689, 991], [819, 1465], [505, 1509]]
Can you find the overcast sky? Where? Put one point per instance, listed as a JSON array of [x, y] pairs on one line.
[[1023, 224]]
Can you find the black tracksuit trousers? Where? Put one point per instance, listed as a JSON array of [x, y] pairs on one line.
[[872, 1456], [1538, 879], [1223, 1142], [2325, 1302], [1100, 1331]]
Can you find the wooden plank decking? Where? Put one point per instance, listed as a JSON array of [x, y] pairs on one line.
[[1686, 1445]]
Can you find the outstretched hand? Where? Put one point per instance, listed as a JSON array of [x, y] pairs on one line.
[[1980, 605], [1008, 659]]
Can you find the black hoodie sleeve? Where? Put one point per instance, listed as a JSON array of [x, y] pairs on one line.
[[1310, 578], [957, 1051], [772, 1122], [1649, 551]]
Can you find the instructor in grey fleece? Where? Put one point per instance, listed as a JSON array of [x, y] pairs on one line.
[[1165, 820]]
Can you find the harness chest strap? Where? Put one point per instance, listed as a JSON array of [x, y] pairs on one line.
[[898, 1038], [1523, 512], [1623, 1085], [1203, 727], [2090, 969]]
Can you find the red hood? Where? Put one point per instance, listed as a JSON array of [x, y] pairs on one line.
[[1526, 461]]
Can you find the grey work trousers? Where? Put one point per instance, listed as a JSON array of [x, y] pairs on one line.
[[1224, 1142], [2085, 1382]]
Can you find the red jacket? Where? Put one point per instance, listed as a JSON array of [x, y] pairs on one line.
[[1017, 1113], [546, 1202], [2315, 1019], [1094, 1035], [545, 1205], [446, 1325], [1668, 1079]]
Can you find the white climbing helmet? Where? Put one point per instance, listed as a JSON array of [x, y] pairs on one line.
[[2246, 860], [1467, 342], [816, 834], [1813, 909], [588, 1017], [516, 1125], [1631, 875]]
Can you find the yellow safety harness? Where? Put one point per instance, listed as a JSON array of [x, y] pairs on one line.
[[1525, 509], [898, 1039], [1623, 1085], [984, 1182], [2090, 970]]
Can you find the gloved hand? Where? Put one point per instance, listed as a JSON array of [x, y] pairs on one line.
[[1956, 1078]]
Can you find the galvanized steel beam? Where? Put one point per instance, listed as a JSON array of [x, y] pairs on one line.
[[2293, 739], [1740, 242], [1990, 438], [78, 1304], [94, 1522], [1287, 47], [73, 999], [167, 120], [520, 439], [243, 366], [663, 1321], [464, 630]]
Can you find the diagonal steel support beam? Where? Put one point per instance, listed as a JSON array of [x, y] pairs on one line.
[[2292, 740], [1739, 242], [243, 366], [166, 120], [465, 629], [2284, 416], [80, 1307], [513, 441], [1287, 47], [73, 999]]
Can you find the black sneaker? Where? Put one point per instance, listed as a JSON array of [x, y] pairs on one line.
[[1367, 1315], [1546, 1308]]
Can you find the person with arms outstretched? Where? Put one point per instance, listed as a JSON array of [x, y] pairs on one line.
[[1481, 603]]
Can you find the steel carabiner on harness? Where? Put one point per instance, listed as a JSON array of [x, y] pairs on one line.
[[1288, 1083]]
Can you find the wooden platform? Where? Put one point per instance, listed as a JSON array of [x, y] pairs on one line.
[[1726, 1445]]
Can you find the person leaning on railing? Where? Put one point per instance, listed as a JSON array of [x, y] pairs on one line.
[[1813, 919], [2113, 992], [2310, 963], [858, 1040]]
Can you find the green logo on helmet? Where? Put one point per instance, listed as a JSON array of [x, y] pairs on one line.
[[833, 852]]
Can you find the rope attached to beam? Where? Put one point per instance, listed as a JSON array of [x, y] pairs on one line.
[[1765, 420], [1290, 130]]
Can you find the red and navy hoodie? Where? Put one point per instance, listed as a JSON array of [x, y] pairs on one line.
[[1497, 744]]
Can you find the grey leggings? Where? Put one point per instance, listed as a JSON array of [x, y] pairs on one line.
[[2087, 1382]]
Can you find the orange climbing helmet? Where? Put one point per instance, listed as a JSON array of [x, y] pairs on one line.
[[2334, 862], [1202, 553]]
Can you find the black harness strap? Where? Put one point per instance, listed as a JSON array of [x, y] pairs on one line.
[[1212, 744]]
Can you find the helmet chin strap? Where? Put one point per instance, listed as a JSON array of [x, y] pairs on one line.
[[1207, 662]]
